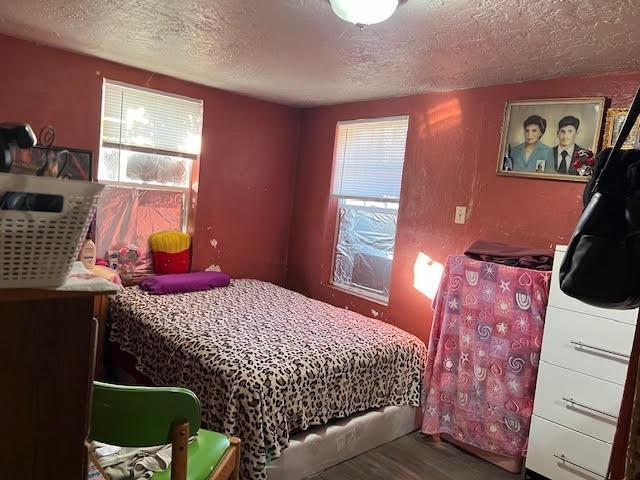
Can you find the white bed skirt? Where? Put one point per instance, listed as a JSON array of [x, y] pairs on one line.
[[322, 447]]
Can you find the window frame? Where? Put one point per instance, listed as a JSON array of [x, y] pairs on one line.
[[357, 291], [189, 192]]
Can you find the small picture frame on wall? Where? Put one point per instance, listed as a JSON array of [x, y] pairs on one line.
[[551, 138], [60, 162], [613, 125]]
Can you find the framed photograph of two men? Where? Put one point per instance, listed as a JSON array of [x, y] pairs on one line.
[[551, 138]]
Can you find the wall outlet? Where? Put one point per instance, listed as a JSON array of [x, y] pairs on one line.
[[461, 215]]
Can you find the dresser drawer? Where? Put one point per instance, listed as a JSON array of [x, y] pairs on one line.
[[560, 300], [578, 401], [593, 345], [562, 454]]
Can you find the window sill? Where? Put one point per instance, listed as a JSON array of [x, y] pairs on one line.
[[370, 297]]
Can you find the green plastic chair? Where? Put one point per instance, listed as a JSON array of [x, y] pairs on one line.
[[132, 416]]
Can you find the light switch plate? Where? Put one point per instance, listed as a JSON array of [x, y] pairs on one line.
[[461, 215]]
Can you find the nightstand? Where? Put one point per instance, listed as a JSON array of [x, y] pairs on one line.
[[47, 350]]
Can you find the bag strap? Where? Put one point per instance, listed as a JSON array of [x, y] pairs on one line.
[[632, 116]]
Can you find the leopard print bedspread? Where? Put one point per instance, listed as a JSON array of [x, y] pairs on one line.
[[266, 361]]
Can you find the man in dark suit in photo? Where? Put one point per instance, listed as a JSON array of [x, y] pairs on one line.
[[566, 153]]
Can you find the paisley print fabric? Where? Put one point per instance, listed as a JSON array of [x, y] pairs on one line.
[[483, 354], [265, 361]]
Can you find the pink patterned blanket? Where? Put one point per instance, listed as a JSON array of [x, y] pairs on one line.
[[483, 354]]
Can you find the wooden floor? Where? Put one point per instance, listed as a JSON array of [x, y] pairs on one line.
[[415, 457]]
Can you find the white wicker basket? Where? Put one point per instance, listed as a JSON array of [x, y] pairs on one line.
[[37, 249]]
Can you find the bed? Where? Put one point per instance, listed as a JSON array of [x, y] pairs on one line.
[[265, 361]]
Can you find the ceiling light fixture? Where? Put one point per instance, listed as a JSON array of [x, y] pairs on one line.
[[364, 12]]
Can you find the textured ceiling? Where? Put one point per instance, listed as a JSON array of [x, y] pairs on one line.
[[298, 53]]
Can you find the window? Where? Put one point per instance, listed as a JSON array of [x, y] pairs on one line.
[[369, 157], [150, 143]]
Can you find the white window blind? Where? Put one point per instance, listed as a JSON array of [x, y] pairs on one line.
[[369, 158], [137, 117]]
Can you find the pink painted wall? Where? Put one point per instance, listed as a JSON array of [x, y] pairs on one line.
[[249, 149], [451, 155]]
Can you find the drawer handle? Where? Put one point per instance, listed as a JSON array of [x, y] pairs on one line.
[[564, 459], [600, 349], [587, 407]]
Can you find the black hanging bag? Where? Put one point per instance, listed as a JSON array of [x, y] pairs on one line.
[[602, 263]]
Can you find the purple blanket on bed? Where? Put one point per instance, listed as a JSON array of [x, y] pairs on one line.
[[184, 282]]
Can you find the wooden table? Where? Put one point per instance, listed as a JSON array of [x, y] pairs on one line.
[[47, 355]]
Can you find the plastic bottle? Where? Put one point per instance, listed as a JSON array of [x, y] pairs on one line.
[[88, 254]]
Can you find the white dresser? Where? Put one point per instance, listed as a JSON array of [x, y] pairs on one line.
[[581, 376]]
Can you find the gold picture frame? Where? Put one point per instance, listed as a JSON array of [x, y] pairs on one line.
[[612, 126], [514, 157]]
